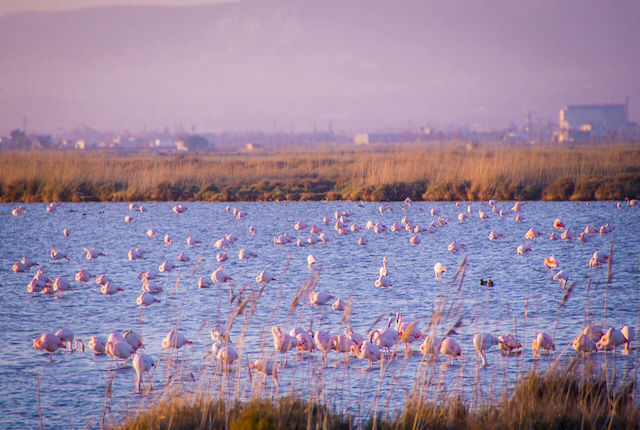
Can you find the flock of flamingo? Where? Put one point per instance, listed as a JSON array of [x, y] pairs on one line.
[[379, 344]]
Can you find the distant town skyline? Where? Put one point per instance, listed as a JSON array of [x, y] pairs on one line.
[[300, 65]]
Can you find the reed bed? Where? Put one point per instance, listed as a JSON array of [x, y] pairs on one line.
[[442, 172], [576, 393]]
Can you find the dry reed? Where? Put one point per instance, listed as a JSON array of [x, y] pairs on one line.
[[446, 172]]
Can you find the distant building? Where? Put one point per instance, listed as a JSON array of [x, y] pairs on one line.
[[193, 143], [594, 122], [361, 139]]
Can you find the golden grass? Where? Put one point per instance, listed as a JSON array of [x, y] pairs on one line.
[[445, 172]]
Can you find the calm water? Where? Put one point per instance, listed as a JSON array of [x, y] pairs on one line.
[[72, 388]]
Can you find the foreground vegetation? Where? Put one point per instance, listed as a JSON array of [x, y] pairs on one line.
[[554, 400], [390, 173]]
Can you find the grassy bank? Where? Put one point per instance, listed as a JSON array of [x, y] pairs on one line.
[[554, 400], [448, 172]]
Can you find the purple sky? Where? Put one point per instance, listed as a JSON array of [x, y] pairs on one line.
[[292, 65]]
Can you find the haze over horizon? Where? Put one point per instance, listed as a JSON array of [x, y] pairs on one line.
[[296, 65]]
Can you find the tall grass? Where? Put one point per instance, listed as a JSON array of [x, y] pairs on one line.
[[576, 394], [445, 172]]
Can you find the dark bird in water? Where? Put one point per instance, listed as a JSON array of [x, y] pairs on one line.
[[488, 282]]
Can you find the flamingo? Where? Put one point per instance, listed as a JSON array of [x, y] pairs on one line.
[[222, 257], [83, 276], [451, 349], [629, 334], [362, 241], [414, 240], [203, 282], [267, 367], [245, 254], [611, 339], [508, 343], [66, 338], [597, 260], [304, 341], [438, 268], [48, 342], [550, 263], [311, 260], [167, 240], [183, 258], [324, 342], [582, 237], [495, 236], [532, 234], [355, 337], [118, 349], [561, 277], [383, 282], [300, 225], [553, 236], [226, 354], [558, 224], [383, 270], [128, 218], [252, 230], [407, 331], [283, 342], [455, 247], [146, 299], [542, 341], [135, 254], [19, 267], [589, 229], [191, 241], [367, 351], [584, 344], [110, 289], [27, 262], [517, 207], [61, 284], [142, 363], [151, 288], [264, 277], [102, 279], [219, 276], [150, 233], [431, 345], [319, 298], [174, 339], [133, 339], [166, 266], [179, 209], [97, 344], [482, 342], [462, 217], [517, 217], [342, 343], [482, 215], [92, 253], [567, 235], [315, 229], [384, 338], [145, 276], [338, 305], [606, 229], [522, 249], [57, 255]]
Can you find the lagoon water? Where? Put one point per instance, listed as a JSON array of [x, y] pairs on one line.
[[524, 299]]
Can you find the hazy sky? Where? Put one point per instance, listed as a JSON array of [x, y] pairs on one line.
[[8, 6], [296, 65]]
